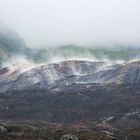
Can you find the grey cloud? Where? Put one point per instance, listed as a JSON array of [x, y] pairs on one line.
[[57, 22]]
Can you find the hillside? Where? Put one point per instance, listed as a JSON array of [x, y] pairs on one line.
[[73, 92], [70, 72], [97, 98]]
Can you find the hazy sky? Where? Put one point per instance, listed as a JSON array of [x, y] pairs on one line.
[[56, 22]]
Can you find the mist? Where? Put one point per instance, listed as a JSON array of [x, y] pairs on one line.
[[48, 23]]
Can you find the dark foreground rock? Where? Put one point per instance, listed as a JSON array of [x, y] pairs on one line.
[[30, 130], [69, 137], [105, 106]]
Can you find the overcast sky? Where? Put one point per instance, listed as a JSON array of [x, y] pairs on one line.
[[84, 22]]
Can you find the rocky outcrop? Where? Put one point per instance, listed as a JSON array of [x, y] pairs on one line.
[[69, 137], [3, 129]]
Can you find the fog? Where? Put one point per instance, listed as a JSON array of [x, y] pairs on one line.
[[47, 23]]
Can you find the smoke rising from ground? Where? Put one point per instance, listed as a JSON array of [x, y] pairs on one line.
[[99, 31]]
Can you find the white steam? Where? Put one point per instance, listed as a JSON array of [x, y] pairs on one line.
[[17, 64]]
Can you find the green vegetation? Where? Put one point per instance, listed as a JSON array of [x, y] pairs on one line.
[[71, 51]]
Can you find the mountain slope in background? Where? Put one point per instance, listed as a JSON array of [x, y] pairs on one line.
[[12, 44], [91, 53]]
